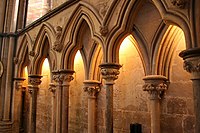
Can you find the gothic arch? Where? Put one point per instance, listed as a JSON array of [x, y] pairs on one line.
[[174, 17], [89, 49], [122, 28], [42, 48], [164, 53], [82, 14], [22, 57]]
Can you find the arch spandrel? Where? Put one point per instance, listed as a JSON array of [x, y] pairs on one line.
[[165, 49], [87, 47], [82, 14], [170, 16], [42, 48], [22, 58]]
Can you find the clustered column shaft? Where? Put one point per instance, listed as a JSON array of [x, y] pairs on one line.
[[92, 88], [192, 65], [52, 88], [19, 89], [62, 78], [155, 85], [34, 82], [110, 72]]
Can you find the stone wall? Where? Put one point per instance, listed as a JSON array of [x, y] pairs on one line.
[[177, 106], [78, 99]]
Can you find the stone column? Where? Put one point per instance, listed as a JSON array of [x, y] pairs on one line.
[[92, 87], [18, 102], [155, 85], [109, 72], [192, 65], [62, 78], [34, 82], [52, 88]]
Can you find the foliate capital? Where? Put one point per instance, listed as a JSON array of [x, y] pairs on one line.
[[19, 83], [155, 85], [191, 61], [92, 87], [62, 76], [192, 66], [110, 71], [34, 80]]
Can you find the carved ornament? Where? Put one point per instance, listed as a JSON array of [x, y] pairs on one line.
[[92, 90], [57, 44], [19, 83], [155, 90], [16, 60], [52, 88], [32, 53], [191, 67], [62, 76], [92, 87], [110, 71], [104, 30], [34, 80], [103, 8], [179, 3]]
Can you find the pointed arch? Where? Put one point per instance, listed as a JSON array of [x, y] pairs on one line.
[[42, 48], [84, 14], [22, 57], [95, 60], [162, 58], [124, 27], [174, 17]]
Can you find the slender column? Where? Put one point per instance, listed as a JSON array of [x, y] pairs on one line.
[[92, 87], [155, 85], [52, 88], [62, 78], [109, 72], [19, 89], [192, 65], [34, 82]]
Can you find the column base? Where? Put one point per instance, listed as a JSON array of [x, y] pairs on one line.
[[5, 127]]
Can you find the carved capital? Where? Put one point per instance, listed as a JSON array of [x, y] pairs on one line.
[[191, 66], [191, 61], [179, 3], [62, 76], [104, 30], [92, 87], [34, 80], [155, 85], [19, 83], [110, 71]]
